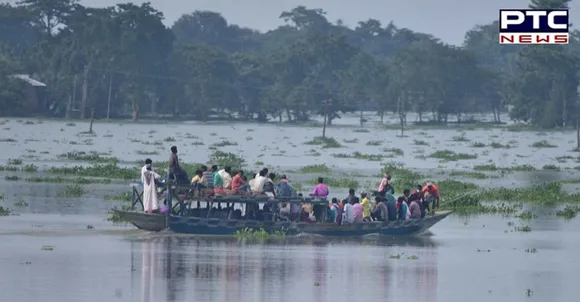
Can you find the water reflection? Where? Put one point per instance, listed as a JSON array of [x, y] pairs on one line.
[[307, 268]]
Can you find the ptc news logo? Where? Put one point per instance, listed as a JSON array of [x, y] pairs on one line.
[[533, 26]]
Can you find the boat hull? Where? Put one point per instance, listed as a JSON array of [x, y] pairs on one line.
[[204, 226], [144, 221]]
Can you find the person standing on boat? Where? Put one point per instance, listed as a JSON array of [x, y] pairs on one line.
[[385, 185], [175, 170], [320, 190], [366, 204], [148, 176]]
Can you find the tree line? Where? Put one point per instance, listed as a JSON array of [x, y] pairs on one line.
[[123, 61]]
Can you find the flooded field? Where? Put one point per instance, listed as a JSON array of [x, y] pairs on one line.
[[59, 247]]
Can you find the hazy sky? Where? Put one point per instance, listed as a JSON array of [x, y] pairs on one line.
[[446, 19]]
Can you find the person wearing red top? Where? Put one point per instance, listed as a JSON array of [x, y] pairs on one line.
[[238, 181], [434, 196]]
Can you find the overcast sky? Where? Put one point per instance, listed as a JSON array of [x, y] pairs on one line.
[[446, 19]]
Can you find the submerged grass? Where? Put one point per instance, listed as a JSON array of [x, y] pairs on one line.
[[469, 174], [311, 169], [88, 157], [493, 167], [111, 171], [449, 155], [325, 142], [72, 191], [358, 155], [338, 182]]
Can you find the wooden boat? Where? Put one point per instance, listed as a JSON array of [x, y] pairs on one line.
[[148, 222], [211, 220], [216, 226]]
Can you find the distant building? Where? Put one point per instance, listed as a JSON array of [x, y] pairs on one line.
[[34, 92]]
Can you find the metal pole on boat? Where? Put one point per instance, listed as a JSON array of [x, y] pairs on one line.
[[169, 197]]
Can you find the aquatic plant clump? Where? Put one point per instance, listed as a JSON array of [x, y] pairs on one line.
[[325, 142], [98, 170], [258, 233]]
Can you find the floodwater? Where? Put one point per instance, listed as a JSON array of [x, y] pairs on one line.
[[467, 259], [63, 249]]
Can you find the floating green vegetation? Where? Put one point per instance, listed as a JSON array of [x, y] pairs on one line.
[[325, 142], [496, 145], [76, 180], [26, 168], [551, 167], [470, 174], [321, 169], [350, 141], [89, 157], [260, 233], [125, 196], [569, 211], [532, 250], [8, 140], [402, 256], [141, 152], [338, 182], [478, 145], [395, 151], [225, 159], [493, 167], [313, 152], [460, 138], [564, 159], [543, 144], [358, 155], [111, 171], [526, 215], [21, 204], [374, 143], [224, 143], [11, 178], [5, 211], [449, 155], [259, 163], [420, 143], [72, 191], [114, 216], [472, 205], [361, 131], [548, 193], [525, 229], [170, 139], [14, 162]]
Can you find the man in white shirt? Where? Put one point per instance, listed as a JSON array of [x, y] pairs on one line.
[[257, 184]]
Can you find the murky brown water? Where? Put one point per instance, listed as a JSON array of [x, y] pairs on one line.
[[480, 258]]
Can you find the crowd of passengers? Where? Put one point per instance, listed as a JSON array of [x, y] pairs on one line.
[[384, 207]]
